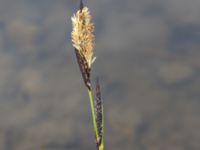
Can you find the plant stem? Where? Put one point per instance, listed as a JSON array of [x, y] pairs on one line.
[[93, 113], [101, 146]]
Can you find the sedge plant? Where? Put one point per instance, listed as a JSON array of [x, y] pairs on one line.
[[83, 43]]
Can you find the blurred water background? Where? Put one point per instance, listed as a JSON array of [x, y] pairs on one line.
[[148, 62]]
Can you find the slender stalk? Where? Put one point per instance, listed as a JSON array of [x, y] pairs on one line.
[[101, 146], [93, 113]]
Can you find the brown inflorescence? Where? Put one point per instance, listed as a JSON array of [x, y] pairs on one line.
[[99, 112], [82, 34]]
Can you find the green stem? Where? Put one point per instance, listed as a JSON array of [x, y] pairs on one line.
[[101, 146], [93, 113]]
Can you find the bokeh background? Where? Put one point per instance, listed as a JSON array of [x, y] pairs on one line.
[[148, 62]]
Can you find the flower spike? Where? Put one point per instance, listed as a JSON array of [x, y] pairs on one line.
[[99, 113], [83, 41]]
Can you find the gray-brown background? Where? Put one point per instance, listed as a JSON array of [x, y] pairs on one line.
[[148, 62]]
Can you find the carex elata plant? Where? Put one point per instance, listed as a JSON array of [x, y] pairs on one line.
[[83, 43]]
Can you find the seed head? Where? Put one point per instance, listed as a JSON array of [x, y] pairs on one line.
[[82, 34], [99, 112]]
